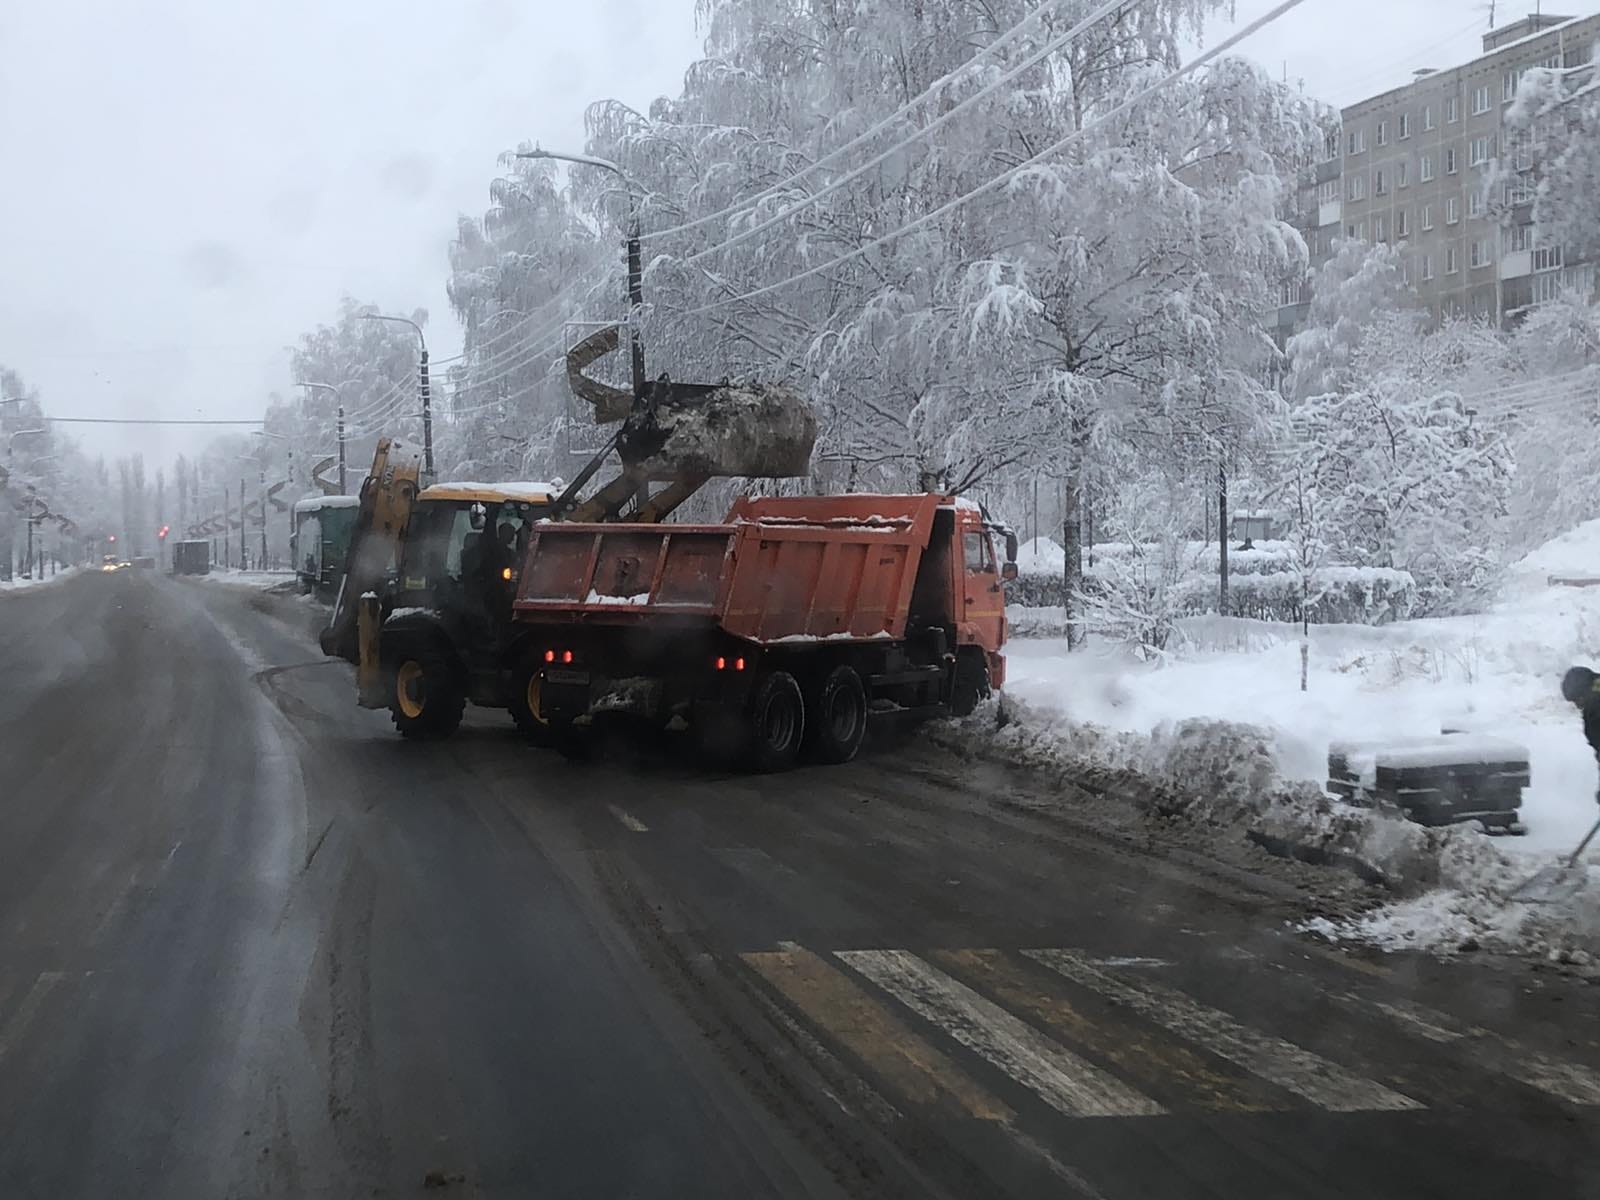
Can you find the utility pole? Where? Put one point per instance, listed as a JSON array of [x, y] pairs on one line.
[[227, 530], [263, 491], [342, 489], [1222, 538], [243, 553]]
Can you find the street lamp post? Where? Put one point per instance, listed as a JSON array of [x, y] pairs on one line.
[[30, 520], [427, 404], [339, 399], [635, 261]]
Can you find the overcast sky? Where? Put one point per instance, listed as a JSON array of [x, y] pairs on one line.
[[185, 187]]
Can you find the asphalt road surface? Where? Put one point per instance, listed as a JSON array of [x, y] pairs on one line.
[[253, 945]]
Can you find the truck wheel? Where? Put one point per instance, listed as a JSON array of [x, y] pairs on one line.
[[524, 701], [777, 722], [836, 721], [969, 684], [426, 701]]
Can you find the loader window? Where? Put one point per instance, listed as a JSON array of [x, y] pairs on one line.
[[461, 543]]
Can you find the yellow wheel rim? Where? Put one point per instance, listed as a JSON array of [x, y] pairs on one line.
[[535, 696], [408, 689]]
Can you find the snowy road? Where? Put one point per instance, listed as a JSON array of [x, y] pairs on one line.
[[252, 945]]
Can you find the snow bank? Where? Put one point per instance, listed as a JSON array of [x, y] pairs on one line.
[[18, 584], [1448, 887]]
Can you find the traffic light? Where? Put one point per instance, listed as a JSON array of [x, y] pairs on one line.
[[111, 537], [162, 533]]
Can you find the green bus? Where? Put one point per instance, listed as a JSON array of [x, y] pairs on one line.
[[322, 527]]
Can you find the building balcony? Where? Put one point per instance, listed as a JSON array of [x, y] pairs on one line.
[[1330, 212], [1516, 264]]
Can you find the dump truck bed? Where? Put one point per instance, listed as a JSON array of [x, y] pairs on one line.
[[781, 569]]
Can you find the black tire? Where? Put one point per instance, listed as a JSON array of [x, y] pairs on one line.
[[777, 722], [970, 684], [524, 683], [426, 698], [836, 719]]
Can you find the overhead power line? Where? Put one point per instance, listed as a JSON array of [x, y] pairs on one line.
[[149, 421]]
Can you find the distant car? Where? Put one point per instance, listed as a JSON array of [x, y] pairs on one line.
[[145, 561]]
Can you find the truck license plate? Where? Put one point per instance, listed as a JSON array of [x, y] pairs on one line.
[[557, 675]]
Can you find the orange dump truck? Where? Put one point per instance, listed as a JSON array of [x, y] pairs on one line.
[[776, 633]]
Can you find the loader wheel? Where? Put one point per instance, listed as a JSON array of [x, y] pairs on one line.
[[836, 720], [777, 722], [524, 704], [426, 702], [970, 683]]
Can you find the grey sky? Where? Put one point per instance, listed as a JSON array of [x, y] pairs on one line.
[[188, 186]]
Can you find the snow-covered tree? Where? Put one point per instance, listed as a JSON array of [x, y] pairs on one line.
[[1359, 289], [1554, 127]]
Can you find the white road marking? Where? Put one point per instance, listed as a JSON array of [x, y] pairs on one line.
[[1066, 1082], [30, 1005], [1567, 1081], [628, 820], [1274, 1059]]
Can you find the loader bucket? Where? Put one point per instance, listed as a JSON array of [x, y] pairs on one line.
[[755, 430]]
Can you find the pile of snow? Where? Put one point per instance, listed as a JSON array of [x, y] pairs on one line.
[[1222, 720], [1041, 556], [18, 584], [254, 580]]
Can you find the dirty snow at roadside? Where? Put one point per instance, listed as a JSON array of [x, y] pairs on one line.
[[1224, 720]]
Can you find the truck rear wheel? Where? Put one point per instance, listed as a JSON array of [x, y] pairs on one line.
[[425, 701], [777, 722], [836, 721]]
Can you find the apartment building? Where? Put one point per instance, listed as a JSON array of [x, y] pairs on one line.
[[1413, 167]]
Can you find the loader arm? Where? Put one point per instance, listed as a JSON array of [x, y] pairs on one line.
[[387, 496]]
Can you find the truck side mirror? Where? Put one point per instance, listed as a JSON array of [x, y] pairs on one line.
[[1011, 550], [1008, 570]]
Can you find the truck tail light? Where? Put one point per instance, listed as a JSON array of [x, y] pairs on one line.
[[722, 663], [549, 656], [566, 656], [738, 664]]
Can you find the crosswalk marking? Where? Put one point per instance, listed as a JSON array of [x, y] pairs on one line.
[[1063, 1080], [830, 1000], [1274, 1059], [1149, 1060], [1567, 1081]]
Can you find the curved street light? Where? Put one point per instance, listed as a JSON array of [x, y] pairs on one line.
[[339, 399], [635, 263], [427, 406]]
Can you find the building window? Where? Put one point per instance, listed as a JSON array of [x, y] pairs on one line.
[[1356, 141], [1452, 260], [1356, 230], [1427, 117], [1328, 191], [1480, 150], [1426, 170], [1452, 209], [1402, 173], [1380, 228], [1380, 182], [1425, 262], [1508, 83], [1519, 238], [1451, 165], [1475, 202], [1480, 99], [1358, 186], [1479, 252], [1383, 133], [1546, 258], [1452, 109], [1405, 125], [1402, 223], [1427, 217], [1546, 287]]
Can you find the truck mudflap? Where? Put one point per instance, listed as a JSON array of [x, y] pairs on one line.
[[997, 671]]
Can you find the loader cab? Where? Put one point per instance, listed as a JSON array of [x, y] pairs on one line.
[[461, 555]]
